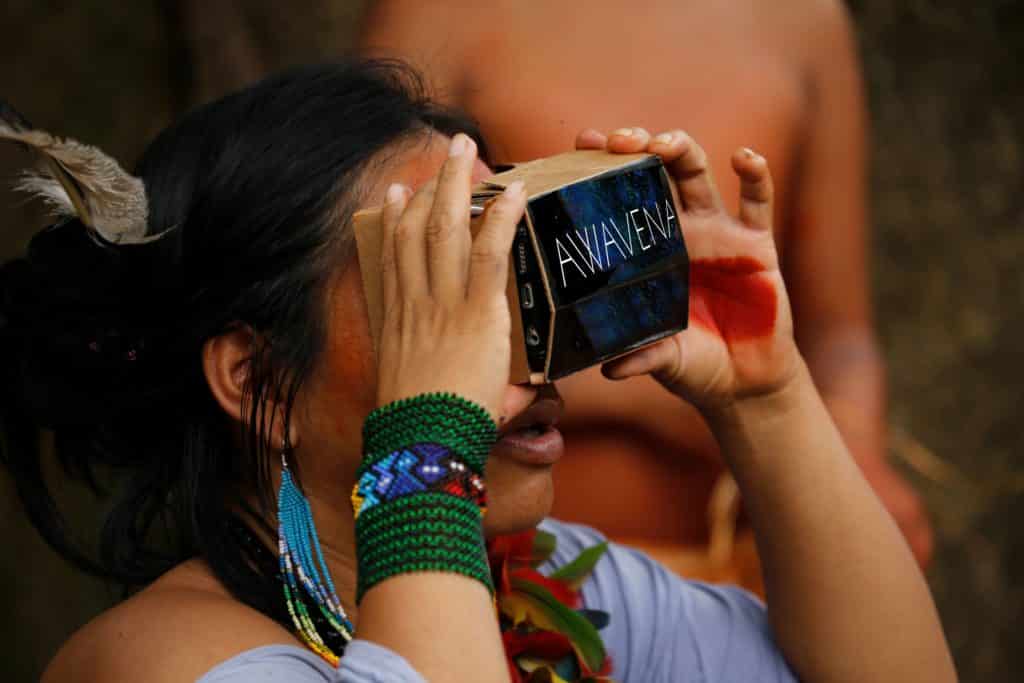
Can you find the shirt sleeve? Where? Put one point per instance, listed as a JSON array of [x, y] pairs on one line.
[[364, 662], [665, 628]]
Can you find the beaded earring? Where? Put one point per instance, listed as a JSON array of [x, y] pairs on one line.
[[302, 562]]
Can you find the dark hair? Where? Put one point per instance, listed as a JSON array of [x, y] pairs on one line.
[[101, 346]]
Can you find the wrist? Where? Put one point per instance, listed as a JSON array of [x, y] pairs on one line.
[[420, 496], [458, 424], [421, 532], [744, 419]]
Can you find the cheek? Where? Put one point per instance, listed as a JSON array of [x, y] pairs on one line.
[[349, 368], [347, 373]]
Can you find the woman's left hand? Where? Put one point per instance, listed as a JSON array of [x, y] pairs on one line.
[[739, 342]]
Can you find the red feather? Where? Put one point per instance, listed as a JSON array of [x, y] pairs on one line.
[[543, 644]]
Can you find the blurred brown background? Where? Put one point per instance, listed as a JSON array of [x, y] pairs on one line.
[[948, 191]]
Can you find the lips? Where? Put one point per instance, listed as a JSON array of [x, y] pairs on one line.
[[531, 437], [542, 413]]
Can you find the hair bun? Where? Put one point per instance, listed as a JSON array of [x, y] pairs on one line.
[[83, 322]]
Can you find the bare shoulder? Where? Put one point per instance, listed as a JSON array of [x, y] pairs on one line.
[[428, 31], [817, 38], [820, 23], [175, 630], [801, 13], [439, 38]]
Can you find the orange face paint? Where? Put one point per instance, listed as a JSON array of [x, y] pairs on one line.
[[732, 298]]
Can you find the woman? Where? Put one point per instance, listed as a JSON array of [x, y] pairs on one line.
[[216, 346]]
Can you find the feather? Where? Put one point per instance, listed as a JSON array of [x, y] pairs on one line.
[[80, 181]]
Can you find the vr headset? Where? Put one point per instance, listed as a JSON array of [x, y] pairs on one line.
[[598, 266]]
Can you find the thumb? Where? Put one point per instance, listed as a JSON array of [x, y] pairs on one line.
[[664, 360]]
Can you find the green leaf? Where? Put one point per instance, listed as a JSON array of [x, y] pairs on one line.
[[577, 571], [543, 546], [580, 632]]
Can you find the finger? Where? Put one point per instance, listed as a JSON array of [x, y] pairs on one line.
[[756, 192], [666, 144], [410, 250], [488, 264], [447, 234], [588, 138], [395, 200], [688, 164], [663, 359], [628, 140]]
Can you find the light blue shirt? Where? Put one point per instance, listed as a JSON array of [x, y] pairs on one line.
[[663, 628]]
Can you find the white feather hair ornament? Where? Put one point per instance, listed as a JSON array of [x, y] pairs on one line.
[[80, 181]]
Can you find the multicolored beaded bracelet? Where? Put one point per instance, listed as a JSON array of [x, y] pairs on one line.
[[419, 497]]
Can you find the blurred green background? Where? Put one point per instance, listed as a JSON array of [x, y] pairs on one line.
[[947, 105]]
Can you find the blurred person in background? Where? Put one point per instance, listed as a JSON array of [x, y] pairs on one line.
[[783, 77]]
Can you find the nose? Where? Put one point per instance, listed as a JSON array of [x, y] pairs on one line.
[[519, 397]]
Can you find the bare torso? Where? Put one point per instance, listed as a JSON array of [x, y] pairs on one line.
[[533, 76]]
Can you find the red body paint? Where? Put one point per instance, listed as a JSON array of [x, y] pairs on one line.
[[732, 298]]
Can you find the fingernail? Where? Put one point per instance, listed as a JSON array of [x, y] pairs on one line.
[[395, 193], [750, 153], [514, 189], [458, 146], [624, 132], [663, 138]]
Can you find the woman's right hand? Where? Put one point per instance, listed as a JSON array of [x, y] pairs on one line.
[[446, 317]]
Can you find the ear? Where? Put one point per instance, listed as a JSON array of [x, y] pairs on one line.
[[227, 364]]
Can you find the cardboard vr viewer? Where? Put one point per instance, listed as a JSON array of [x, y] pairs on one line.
[[598, 266]]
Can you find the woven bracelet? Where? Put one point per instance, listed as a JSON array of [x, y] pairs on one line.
[[419, 496]]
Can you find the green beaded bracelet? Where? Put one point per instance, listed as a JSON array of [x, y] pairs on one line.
[[386, 549], [459, 424], [419, 497]]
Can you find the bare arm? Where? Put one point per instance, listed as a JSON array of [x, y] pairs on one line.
[[442, 624], [445, 328], [845, 597], [847, 601], [826, 264]]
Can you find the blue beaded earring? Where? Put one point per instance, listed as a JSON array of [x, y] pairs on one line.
[[302, 562]]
